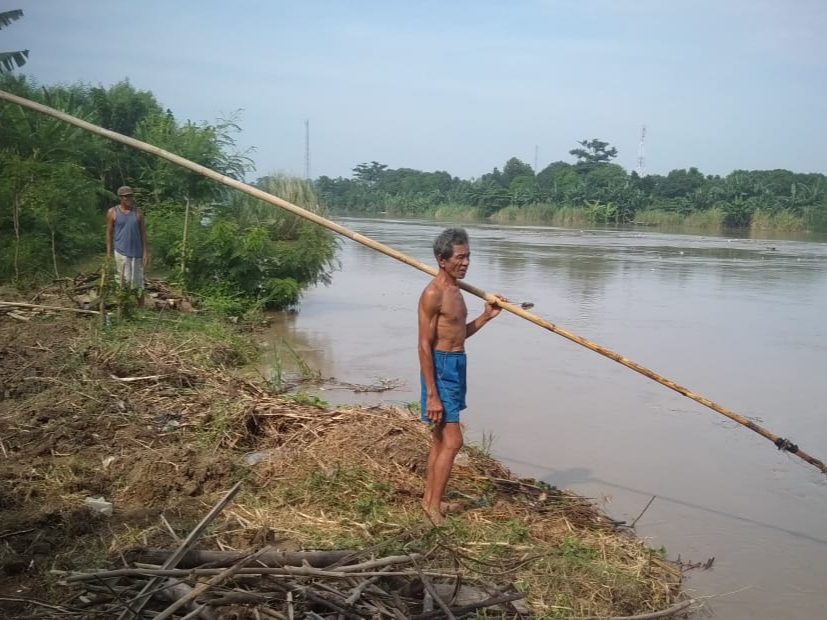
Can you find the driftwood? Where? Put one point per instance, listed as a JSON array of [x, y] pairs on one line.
[[218, 559]]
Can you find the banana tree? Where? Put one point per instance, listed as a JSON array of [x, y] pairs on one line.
[[9, 61]]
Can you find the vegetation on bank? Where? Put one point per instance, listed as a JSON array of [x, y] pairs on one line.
[[590, 190], [78, 421], [57, 181]]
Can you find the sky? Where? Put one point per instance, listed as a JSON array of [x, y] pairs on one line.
[[464, 85]]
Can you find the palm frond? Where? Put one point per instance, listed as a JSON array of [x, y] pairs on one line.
[[9, 61]]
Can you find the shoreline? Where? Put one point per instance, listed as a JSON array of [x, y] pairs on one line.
[[158, 418]]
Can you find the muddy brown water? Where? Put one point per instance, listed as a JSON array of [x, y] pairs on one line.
[[741, 321]]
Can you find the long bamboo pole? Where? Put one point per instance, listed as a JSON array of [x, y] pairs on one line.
[[780, 442]]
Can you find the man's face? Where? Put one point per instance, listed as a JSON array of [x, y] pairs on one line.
[[457, 265], [126, 201]]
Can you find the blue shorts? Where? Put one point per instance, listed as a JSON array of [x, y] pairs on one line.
[[449, 372]]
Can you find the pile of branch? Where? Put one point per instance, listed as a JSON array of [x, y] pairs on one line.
[[186, 584], [84, 291], [269, 584], [84, 288], [163, 296]]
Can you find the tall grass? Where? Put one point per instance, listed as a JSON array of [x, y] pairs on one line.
[[542, 213], [784, 220], [816, 218], [711, 219], [301, 193], [457, 212]]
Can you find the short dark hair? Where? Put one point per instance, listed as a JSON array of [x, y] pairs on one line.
[[448, 238]]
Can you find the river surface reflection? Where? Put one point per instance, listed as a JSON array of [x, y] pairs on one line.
[[741, 321]]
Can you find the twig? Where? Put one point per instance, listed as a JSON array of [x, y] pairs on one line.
[[315, 598], [203, 587], [194, 613], [357, 591], [133, 379], [409, 532], [437, 598], [491, 602], [381, 562], [643, 511], [172, 533], [39, 293], [31, 601], [142, 598], [241, 598], [664, 613]]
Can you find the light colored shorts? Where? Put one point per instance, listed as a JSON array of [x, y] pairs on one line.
[[131, 270]]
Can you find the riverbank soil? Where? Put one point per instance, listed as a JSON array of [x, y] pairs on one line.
[[158, 416]]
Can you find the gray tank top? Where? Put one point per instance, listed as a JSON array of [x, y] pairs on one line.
[[127, 234]]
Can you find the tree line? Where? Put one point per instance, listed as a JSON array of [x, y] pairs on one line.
[[57, 181], [591, 188]]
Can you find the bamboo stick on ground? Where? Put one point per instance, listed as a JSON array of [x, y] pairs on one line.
[[17, 304], [780, 442]]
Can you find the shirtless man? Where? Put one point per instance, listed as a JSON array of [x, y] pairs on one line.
[[442, 333]]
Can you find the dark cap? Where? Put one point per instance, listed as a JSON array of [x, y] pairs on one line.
[[124, 190]]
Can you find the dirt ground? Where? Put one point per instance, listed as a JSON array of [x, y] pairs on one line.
[[155, 417]]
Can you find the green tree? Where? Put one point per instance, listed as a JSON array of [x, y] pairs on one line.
[[36, 154], [593, 152], [680, 183], [9, 61], [369, 174], [515, 168], [257, 252]]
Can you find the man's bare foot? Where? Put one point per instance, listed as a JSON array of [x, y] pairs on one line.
[[437, 516], [434, 515]]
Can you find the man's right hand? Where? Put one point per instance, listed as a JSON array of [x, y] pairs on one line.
[[433, 409]]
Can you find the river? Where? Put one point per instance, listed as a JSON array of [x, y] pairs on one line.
[[740, 321]]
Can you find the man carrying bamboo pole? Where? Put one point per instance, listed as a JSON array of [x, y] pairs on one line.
[[442, 334], [126, 233]]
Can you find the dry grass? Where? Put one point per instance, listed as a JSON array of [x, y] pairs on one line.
[[353, 478], [345, 478]]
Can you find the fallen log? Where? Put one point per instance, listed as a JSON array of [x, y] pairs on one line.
[[217, 559]]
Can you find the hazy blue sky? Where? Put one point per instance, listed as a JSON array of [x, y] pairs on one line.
[[462, 86]]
